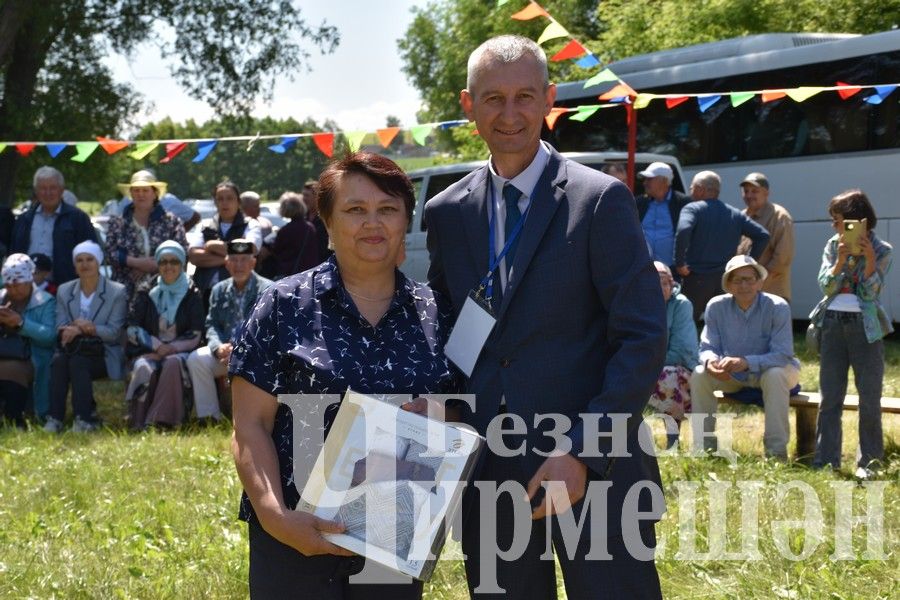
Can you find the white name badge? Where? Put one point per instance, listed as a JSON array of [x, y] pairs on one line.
[[471, 331]]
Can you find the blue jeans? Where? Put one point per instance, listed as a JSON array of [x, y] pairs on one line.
[[844, 345]]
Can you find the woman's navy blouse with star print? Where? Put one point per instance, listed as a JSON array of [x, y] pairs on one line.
[[306, 336]]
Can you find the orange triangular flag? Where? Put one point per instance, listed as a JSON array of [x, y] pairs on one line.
[[847, 91], [172, 150], [325, 143], [572, 50], [770, 95], [555, 112], [532, 11], [623, 89], [25, 149], [673, 102], [111, 146], [387, 135]]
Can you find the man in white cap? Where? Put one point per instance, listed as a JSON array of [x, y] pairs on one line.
[[747, 341], [779, 252], [658, 209]]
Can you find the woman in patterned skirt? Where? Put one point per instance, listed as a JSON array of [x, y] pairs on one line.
[[672, 395]]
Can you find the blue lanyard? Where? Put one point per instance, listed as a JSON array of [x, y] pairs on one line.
[[487, 282]]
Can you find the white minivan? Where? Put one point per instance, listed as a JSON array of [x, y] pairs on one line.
[[433, 180]]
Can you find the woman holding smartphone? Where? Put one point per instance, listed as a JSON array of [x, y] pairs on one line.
[[853, 323]]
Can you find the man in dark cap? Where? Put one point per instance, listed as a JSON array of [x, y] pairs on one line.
[[43, 270], [230, 303], [779, 252]]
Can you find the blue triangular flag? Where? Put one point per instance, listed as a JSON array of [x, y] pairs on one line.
[[881, 92], [55, 149], [285, 143], [203, 150], [588, 61], [706, 101]]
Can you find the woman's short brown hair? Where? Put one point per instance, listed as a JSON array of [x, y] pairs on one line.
[[853, 204], [383, 172]]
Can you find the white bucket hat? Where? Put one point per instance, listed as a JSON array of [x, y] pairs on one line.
[[739, 262]]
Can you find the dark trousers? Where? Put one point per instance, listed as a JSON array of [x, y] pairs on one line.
[[844, 345], [13, 398], [278, 571], [530, 577], [700, 288], [80, 372]]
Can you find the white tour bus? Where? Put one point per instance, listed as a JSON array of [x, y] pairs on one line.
[[433, 180], [810, 151]]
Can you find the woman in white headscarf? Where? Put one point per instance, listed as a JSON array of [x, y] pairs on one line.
[[27, 329], [164, 326], [90, 315]]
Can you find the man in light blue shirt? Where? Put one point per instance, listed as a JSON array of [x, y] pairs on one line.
[[747, 342]]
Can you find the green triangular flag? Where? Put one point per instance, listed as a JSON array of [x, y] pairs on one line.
[[84, 151], [420, 132], [143, 149], [738, 98], [2, 147], [584, 112], [354, 139], [604, 75]]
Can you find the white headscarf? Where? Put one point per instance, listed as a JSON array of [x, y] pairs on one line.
[[88, 247], [17, 268]]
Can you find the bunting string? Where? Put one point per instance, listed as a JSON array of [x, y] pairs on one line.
[[620, 92]]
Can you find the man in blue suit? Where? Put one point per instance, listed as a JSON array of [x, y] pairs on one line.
[[580, 332]]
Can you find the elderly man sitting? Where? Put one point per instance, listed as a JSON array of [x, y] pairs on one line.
[[230, 303], [747, 342]]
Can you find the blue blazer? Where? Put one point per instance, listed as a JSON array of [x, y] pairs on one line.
[[109, 308], [582, 324], [72, 227]]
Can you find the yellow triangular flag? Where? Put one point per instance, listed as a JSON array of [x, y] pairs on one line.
[[642, 100], [803, 93], [354, 139], [554, 30], [143, 149]]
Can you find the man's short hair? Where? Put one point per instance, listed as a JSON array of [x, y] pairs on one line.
[[504, 49], [249, 196], [709, 181], [44, 173]]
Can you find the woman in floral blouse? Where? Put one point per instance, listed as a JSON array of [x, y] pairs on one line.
[[132, 239]]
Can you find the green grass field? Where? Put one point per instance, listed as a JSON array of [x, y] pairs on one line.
[[153, 515]]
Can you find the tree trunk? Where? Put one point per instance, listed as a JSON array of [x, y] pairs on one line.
[[29, 52], [12, 15]]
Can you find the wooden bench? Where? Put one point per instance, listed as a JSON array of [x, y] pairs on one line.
[[807, 405]]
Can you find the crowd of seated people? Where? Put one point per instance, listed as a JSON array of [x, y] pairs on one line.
[[64, 324]]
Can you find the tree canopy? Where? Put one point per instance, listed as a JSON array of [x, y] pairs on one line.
[[54, 84]]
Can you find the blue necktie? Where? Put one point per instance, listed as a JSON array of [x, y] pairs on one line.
[[511, 196]]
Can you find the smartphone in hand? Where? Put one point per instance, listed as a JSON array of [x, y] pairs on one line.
[[853, 230]]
